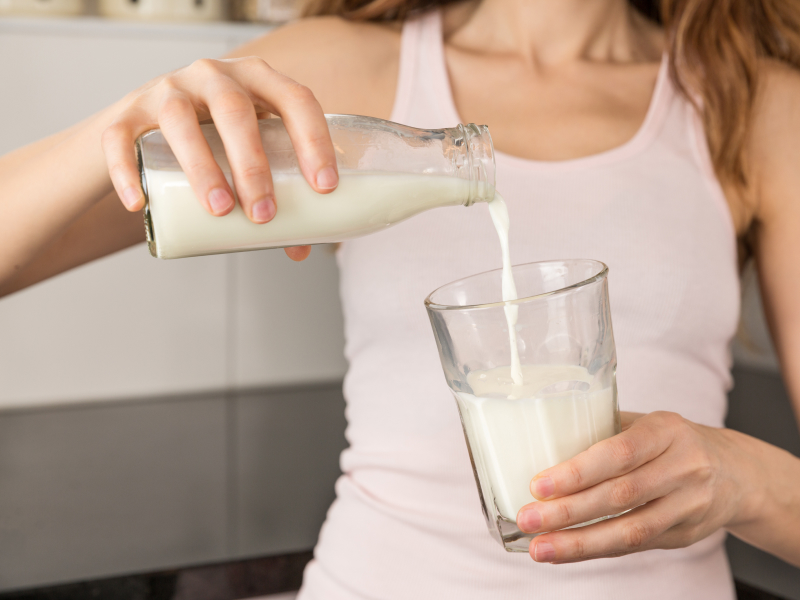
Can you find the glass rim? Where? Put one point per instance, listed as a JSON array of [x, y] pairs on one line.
[[601, 274]]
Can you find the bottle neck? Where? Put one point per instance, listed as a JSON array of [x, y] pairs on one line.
[[473, 158]]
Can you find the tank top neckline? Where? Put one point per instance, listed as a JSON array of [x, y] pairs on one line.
[[433, 46]]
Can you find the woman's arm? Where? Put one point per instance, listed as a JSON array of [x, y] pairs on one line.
[[45, 187], [104, 228], [57, 200], [775, 160], [682, 481]]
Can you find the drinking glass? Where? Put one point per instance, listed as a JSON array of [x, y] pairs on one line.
[[568, 397]]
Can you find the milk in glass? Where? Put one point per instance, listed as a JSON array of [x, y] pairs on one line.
[[516, 431]]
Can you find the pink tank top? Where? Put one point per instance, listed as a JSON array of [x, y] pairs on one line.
[[407, 523]]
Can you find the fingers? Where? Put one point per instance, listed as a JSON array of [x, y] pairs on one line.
[[611, 497], [298, 253], [629, 418], [643, 528], [304, 120], [117, 141], [646, 439], [178, 120], [235, 118], [232, 93]]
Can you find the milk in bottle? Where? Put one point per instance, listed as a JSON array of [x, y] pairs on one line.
[[363, 203]]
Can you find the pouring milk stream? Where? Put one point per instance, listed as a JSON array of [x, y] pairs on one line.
[[523, 419], [499, 213]]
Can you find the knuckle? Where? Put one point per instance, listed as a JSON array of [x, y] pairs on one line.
[[624, 493], [257, 63], [574, 475], [669, 419], [172, 108], [684, 537], [623, 451], [300, 94], [233, 104], [320, 139], [167, 84], [635, 534], [200, 167], [206, 66], [703, 470], [579, 549], [565, 512], [112, 134], [254, 170]]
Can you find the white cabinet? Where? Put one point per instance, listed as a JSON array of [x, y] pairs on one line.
[[130, 325]]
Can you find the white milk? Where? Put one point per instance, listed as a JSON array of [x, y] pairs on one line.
[[362, 203], [499, 213], [515, 432]]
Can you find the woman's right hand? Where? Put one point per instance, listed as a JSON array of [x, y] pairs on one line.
[[232, 92]]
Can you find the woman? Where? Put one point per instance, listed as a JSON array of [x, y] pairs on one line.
[[601, 153]]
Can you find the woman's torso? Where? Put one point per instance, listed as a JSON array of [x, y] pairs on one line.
[[407, 522]]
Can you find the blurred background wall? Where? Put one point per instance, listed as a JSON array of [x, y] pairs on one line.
[[153, 413], [157, 414]]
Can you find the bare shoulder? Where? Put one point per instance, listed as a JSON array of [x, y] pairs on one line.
[[351, 67], [774, 145]]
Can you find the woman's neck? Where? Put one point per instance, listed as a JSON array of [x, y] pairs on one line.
[[550, 33]]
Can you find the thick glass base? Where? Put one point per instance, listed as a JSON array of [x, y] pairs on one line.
[[514, 540]]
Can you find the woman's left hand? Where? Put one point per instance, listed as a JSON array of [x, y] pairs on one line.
[[681, 482]]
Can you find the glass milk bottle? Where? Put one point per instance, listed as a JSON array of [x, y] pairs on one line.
[[387, 173]]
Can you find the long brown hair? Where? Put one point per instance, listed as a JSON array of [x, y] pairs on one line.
[[715, 48]]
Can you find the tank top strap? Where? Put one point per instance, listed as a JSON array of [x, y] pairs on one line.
[[422, 97]]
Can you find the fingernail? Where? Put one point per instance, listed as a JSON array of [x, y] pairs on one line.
[[327, 178], [529, 520], [543, 552], [220, 200], [130, 197], [543, 488], [264, 210]]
